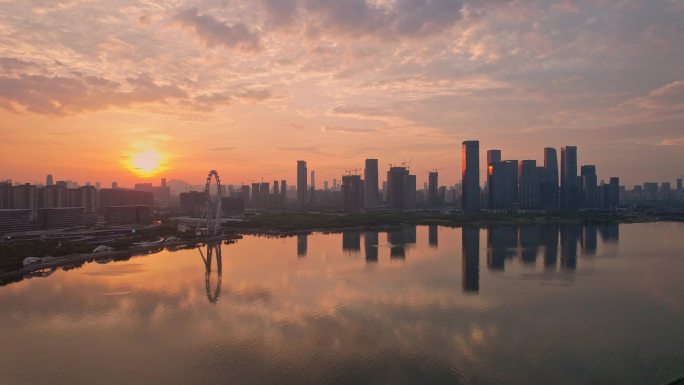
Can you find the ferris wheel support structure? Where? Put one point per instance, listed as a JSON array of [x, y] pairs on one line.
[[211, 217]]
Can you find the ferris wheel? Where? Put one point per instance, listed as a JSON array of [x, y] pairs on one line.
[[211, 217]]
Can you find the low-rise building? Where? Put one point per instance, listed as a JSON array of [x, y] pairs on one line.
[[128, 215], [12, 221], [60, 217]]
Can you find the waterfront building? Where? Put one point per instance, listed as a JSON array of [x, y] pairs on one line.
[[569, 190], [370, 183], [470, 176], [433, 194], [665, 190], [650, 190], [256, 194], [301, 182], [589, 186], [550, 188], [504, 184], [352, 193], [410, 203], [283, 191], [528, 185], [396, 187]]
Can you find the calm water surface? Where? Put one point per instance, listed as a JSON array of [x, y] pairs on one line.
[[498, 305]]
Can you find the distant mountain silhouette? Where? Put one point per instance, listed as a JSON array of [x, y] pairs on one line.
[[179, 186]]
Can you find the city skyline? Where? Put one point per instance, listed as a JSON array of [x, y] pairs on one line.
[[484, 161], [101, 90]]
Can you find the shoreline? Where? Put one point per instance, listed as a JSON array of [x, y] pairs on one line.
[[75, 259], [236, 233]]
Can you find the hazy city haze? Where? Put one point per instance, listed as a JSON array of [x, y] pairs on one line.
[[129, 90]]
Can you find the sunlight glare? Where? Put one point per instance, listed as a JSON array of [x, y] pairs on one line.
[[146, 163]]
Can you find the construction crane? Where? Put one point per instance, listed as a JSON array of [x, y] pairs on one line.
[[353, 171]]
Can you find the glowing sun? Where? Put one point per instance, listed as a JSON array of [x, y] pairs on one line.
[[146, 163]]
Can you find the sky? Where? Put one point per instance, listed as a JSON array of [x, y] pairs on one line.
[[248, 87]]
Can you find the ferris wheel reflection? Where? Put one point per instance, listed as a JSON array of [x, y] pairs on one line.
[[212, 250]]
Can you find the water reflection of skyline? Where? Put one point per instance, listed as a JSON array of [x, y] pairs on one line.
[[559, 245], [276, 310]]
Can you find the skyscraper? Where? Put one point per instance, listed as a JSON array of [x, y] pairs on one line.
[[396, 187], [433, 189], [256, 194], [550, 190], [301, 182], [569, 190], [370, 183], [614, 192], [493, 156], [352, 193], [48, 180], [283, 191], [313, 180], [589, 186], [528, 185], [679, 184], [410, 190], [470, 176], [504, 184]]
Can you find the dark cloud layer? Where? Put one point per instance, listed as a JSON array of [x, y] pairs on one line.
[[60, 95], [213, 32]]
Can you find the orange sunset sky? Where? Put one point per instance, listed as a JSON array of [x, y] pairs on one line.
[[249, 87]]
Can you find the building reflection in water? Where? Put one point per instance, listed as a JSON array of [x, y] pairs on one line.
[[433, 235], [549, 235], [589, 239], [569, 236], [351, 242], [471, 259], [502, 242], [370, 239], [212, 250], [396, 239], [610, 233], [530, 239], [302, 240]]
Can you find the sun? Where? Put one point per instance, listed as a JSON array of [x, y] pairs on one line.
[[146, 163]]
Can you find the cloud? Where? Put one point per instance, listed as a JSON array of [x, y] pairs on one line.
[[280, 13], [60, 95], [208, 102], [214, 33], [404, 18], [10, 64], [669, 97], [227, 148], [348, 130]]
